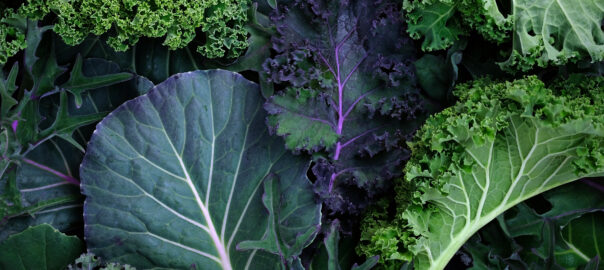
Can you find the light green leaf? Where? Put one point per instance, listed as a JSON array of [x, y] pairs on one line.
[[555, 31], [173, 178], [500, 145], [435, 21], [41, 247], [89, 261]]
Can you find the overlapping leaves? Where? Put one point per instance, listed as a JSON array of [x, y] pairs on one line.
[[501, 144], [174, 179]]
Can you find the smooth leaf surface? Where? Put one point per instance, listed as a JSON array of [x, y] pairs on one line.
[[41, 247], [291, 227], [567, 236], [335, 253], [173, 178]]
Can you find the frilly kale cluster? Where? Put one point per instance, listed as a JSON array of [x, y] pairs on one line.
[[439, 151], [12, 34], [217, 24]]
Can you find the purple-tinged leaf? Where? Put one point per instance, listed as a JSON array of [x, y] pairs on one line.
[[349, 92]]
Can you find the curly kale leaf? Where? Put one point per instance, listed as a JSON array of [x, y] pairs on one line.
[[501, 144], [88, 261], [349, 92], [12, 34], [442, 22], [222, 22], [540, 33]]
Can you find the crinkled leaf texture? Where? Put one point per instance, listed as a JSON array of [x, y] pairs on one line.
[[542, 32], [40, 247], [173, 178], [349, 94], [556, 31], [501, 144], [88, 261]]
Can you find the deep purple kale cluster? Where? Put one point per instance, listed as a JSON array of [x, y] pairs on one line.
[[348, 94]]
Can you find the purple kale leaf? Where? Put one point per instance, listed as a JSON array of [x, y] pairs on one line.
[[349, 94]]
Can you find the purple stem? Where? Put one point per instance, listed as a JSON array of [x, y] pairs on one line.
[[327, 64], [358, 136], [354, 69], [65, 177], [14, 125], [357, 101], [594, 184], [341, 84]]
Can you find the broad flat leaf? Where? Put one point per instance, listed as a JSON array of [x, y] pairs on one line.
[[584, 240], [291, 227], [335, 253], [561, 238], [40, 247], [78, 82], [436, 75], [173, 178], [147, 58]]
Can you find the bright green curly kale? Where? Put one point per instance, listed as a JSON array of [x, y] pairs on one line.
[[12, 34], [177, 21], [541, 33], [501, 144]]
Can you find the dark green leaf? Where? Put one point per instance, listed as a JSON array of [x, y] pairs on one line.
[[173, 178], [79, 83], [41, 247], [293, 221]]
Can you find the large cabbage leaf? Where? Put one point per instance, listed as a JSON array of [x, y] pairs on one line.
[[173, 179], [501, 144]]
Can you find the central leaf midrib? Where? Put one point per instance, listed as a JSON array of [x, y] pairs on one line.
[[481, 220], [222, 252]]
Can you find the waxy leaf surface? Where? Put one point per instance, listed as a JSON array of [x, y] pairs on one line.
[[173, 178]]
